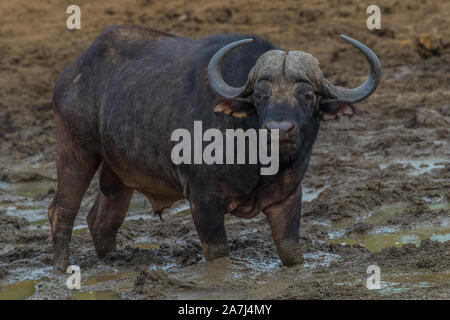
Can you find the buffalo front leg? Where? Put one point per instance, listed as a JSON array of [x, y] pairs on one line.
[[209, 220], [284, 220]]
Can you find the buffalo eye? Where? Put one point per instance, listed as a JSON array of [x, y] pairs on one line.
[[309, 98], [259, 97]]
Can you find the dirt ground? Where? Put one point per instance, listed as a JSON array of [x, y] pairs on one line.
[[377, 190]]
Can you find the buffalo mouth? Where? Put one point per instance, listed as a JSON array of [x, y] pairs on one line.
[[288, 150], [287, 145], [286, 142]]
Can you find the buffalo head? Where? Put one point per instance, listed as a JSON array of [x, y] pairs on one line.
[[289, 92]]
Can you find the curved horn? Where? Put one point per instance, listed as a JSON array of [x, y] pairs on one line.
[[215, 76], [367, 87]]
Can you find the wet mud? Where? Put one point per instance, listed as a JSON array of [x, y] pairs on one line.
[[376, 193]]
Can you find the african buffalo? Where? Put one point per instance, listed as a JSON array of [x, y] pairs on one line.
[[117, 104]]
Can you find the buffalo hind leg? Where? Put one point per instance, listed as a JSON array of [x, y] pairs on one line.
[[75, 169], [108, 212], [209, 220], [284, 220]]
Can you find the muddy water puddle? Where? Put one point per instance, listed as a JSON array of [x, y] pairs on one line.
[[98, 295], [206, 280], [145, 245], [106, 286], [309, 194], [377, 242], [23, 284], [257, 270], [399, 283], [391, 236], [27, 189], [34, 212], [20, 290], [437, 203], [22, 200], [95, 285], [211, 280], [417, 167]]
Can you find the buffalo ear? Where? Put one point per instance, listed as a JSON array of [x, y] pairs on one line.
[[333, 109], [234, 107]]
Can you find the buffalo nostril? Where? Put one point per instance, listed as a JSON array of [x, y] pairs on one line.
[[283, 126]]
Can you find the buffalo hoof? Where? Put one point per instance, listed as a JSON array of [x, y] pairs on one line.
[[290, 253], [104, 246], [60, 261], [214, 251], [61, 252]]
